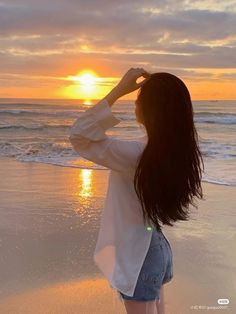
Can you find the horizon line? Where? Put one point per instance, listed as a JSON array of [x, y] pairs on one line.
[[97, 99]]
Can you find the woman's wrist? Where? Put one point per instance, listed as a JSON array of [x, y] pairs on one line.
[[112, 96]]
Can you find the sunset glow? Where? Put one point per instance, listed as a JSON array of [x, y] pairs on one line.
[[85, 51], [84, 85]]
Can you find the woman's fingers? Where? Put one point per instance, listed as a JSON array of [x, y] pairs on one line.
[[138, 72], [146, 75], [141, 72], [144, 81]]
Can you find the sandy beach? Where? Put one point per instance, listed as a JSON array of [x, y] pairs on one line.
[[48, 230]]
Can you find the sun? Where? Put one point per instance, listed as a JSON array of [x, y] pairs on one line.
[[84, 85], [87, 79]]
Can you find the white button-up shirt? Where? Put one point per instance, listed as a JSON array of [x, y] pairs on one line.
[[123, 239]]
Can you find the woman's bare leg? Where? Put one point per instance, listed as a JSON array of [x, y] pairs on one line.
[[135, 307], [138, 307], [160, 304]]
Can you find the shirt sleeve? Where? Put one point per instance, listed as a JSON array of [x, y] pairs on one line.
[[88, 138]]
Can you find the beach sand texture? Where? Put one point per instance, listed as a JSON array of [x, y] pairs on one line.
[[48, 229]]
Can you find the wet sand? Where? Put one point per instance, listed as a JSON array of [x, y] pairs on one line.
[[49, 220]]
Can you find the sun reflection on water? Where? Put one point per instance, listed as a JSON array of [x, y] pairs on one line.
[[84, 190], [86, 180]]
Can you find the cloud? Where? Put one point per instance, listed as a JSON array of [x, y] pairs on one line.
[[104, 18], [56, 37]]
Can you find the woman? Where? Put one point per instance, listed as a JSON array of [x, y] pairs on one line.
[[152, 182]]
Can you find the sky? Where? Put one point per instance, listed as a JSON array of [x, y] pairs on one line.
[[46, 46]]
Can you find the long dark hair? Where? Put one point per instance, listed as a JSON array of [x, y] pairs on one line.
[[168, 175]]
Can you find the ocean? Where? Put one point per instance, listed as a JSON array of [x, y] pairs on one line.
[[37, 130]]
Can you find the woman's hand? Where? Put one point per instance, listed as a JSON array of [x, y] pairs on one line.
[[128, 84]]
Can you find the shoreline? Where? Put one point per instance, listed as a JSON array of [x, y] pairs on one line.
[[3, 158]]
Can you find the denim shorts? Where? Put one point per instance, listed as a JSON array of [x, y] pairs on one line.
[[156, 270]]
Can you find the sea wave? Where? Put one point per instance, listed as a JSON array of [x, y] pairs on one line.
[[16, 112], [215, 118], [43, 126], [38, 126], [199, 117], [62, 154], [228, 182]]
